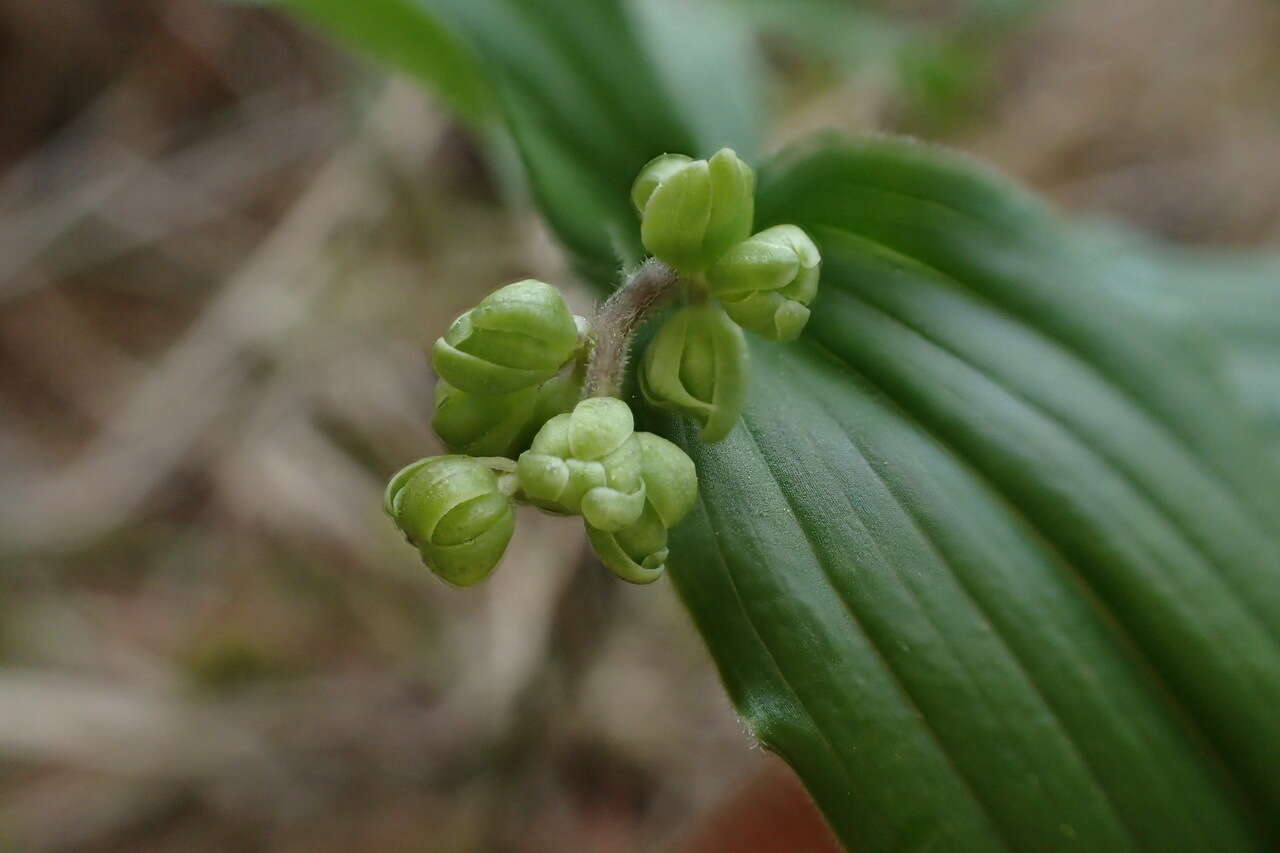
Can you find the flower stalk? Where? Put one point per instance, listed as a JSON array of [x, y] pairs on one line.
[[652, 283]]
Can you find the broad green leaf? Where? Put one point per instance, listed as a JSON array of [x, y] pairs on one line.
[[993, 558]]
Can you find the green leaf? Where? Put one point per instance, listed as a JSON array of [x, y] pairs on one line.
[[589, 100], [992, 559], [590, 91], [934, 67], [1234, 297], [407, 35]]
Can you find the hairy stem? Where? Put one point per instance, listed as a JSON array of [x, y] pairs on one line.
[[618, 319]]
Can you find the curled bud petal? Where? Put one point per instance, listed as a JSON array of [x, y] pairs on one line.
[[557, 395], [502, 425], [638, 552], [767, 282], [587, 462], [482, 426], [670, 479], [453, 511], [691, 211], [697, 365], [656, 171], [518, 336]]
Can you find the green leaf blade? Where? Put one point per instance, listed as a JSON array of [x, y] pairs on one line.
[[1058, 727], [406, 34], [833, 736], [1057, 555]]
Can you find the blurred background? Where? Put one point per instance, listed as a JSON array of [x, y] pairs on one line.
[[225, 245]]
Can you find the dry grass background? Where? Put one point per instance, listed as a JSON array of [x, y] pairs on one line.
[[223, 250]]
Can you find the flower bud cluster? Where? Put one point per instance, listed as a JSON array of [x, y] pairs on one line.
[[525, 405], [696, 216], [508, 403], [629, 487]]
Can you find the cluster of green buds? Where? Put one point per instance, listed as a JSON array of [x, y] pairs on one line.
[[629, 487], [508, 404], [529, 398], [696, 216], [506, 366]]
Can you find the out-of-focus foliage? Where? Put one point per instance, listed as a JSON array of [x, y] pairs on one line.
[[590, 92], [1232, 297], [401, 34], [938, 65]]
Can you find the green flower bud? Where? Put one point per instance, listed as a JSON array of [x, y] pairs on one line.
[[767, 282], [452, 510], [518, 336], [482, 426], [503, 425], [638, 552], [697, 365], [556, 396], [691, 211], [670, 478], [587, 462]]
